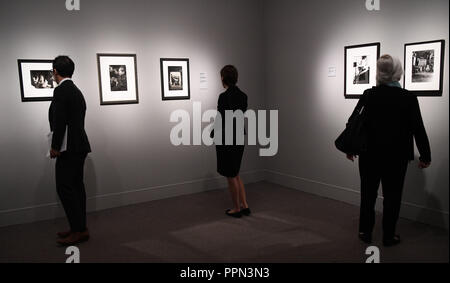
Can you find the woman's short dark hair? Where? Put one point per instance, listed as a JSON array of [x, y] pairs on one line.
[[64, 66], [229, 75]]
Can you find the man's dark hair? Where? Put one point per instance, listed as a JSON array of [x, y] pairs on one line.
[[229, 74], [64, 66]]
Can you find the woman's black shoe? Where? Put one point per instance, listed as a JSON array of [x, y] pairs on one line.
[[235, 215], [365, 237], [389, 242], [246, 211]]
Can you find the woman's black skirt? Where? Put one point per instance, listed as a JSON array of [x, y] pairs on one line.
[[229, 159]]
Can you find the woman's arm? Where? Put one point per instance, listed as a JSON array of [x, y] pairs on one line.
[[419, 132]]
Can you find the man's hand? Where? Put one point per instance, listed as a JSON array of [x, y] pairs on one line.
[[424, 165], [351, 157], [54, 153]]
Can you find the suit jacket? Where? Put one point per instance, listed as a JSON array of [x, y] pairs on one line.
[[68, 108], [232, 99], [394, 122]]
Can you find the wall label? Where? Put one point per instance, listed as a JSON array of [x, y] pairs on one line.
[[203, 80], [331, 72]]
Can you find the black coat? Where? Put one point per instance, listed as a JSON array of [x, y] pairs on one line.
[[232, 99], [394, 122], [68, 108]]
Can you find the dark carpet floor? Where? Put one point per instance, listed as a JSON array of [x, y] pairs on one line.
[[286, 226]]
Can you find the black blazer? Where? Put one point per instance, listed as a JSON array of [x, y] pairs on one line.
[[68, 108], [394, 122], [232, 99]]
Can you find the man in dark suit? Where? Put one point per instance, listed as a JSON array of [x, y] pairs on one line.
[[67, 111]]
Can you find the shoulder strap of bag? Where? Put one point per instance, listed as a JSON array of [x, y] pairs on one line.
[[365, 101]]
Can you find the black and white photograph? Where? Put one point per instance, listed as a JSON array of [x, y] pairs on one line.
[[360, 68], [42, 79], [118, 76], [175, 79], [36, 80], [424, 67], [118, 79]]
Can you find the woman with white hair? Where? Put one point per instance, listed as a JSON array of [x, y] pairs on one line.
[[394, 121]]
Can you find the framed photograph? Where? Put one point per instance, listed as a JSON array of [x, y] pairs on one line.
[[424, 67], [175, 79], [360, 68], [118, 81], [36, 80]]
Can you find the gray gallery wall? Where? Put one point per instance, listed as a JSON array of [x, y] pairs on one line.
[[283, 49], [132, 159], [304, 39]]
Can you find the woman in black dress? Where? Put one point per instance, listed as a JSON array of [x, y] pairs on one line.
[[229, 157]]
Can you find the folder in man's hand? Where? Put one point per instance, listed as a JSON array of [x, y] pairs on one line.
[[64, 143]]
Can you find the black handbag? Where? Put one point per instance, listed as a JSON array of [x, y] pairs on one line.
[[354, 139]]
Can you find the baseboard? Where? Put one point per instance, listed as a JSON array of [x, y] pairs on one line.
[[409, 210], [54, 210], [101, 202]]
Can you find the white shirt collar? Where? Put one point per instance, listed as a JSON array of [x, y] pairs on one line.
[[66, 79]]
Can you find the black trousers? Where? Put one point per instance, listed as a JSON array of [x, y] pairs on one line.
[[391, 173], [69, 173]]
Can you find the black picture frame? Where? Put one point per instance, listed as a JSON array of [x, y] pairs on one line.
[[429, 93], [135, 100], [23, 95], [346, 49], [163, 82]]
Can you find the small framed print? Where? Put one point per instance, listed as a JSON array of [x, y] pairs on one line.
[[118, 81], [36, 80], [424, 67], [360, 68], [175, 79]]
